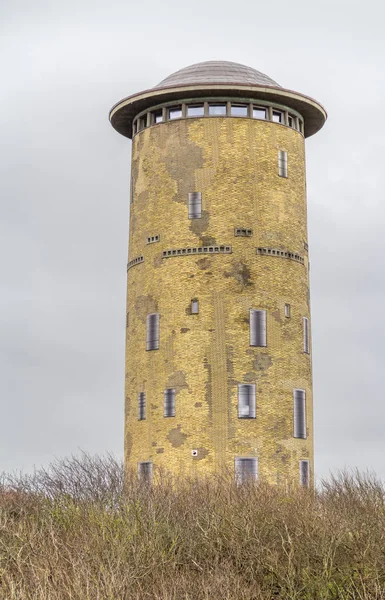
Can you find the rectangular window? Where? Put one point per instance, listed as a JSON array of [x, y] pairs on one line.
[[175, 112], [304, 473], [282, 163], [218, 110], [246, 401], [259, 113], [145, 471], [194, 205], [246, 469], [287, 311], [239, 110], [194, 307], [277, 116], [299, 414], [141, 406], [169, 402], [152, 332], [257, 327], [306, 344], [196, 110], [157, 116]]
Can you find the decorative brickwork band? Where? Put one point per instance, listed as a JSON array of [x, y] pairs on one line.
[[198, 250], [135, 261], [281, 254]]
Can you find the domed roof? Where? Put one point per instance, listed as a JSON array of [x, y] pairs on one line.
[[217, 71]]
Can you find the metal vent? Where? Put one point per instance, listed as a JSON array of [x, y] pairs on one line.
[[242, 232], [306, 344], [194, 205], [282, 163], [141, 406], [257, 327], [169, 402], [246, 469], [299, 413], [304, 473], [152, 331], [145, 471], [246, 401]]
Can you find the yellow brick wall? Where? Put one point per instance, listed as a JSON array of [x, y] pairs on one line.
[[234, 163]]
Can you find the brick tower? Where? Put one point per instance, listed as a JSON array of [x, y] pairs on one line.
[[218, 352]]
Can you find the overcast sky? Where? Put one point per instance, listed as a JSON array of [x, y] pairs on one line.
[[64, 184]]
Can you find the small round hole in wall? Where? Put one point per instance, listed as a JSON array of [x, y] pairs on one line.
[[194, 452]]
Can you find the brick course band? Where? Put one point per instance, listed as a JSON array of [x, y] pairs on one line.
[[197, 250], [135, 261], [281, 254]]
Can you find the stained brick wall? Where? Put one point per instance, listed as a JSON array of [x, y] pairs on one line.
[[233, 162]]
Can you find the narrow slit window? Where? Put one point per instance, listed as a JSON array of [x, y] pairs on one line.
[[195, 110], [299, 414], [258, 327], [169, 402], [194, 205], [132, 190], [239, 110], [287, 311], [217, 110], [282, 163], [304, 473], [152, 337], [246, 401], [246, 469], [141, 406], [306, 343], [194, 306], [145, 471], [259, 113]]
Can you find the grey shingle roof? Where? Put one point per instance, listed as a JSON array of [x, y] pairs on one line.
[[217, 71]]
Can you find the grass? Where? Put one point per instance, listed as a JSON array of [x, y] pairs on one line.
[[75, 532]]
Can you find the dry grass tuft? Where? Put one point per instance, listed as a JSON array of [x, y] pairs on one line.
[[72, 533]]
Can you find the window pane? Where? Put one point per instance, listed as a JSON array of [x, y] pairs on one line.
[[277, 116], [259, 113], [195, 111], [239, 110], [175, 113], [217, 109], [194, 307], [158, 116], [290, 121]]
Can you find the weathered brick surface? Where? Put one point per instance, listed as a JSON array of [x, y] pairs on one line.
[[233, 162]]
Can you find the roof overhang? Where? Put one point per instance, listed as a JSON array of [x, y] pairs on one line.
[[124, 112]]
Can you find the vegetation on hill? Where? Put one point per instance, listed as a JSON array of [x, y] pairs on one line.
[[72, 532]]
